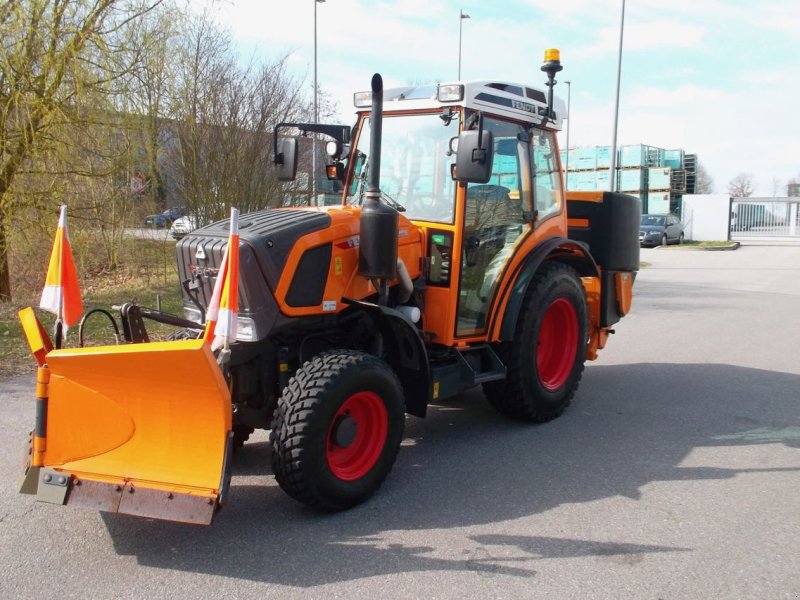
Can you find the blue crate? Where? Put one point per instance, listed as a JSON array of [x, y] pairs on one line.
[[659, 178], [632, 180], [673, 159], [603, 154]]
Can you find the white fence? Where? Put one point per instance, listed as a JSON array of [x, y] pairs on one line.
[[765, 218]]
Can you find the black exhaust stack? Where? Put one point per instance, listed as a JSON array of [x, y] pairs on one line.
[[378, 237]]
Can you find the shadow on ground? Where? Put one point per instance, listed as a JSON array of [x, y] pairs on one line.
[[630, 425]]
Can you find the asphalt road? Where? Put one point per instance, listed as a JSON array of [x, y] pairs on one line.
[[146, 233], [674, 474]]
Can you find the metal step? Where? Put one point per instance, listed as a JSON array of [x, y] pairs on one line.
[[480, 364]]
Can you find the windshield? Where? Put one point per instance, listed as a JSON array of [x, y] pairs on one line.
[[653, 220], [415, 166]]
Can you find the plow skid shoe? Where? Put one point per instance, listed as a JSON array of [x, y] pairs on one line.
[[141, 429]]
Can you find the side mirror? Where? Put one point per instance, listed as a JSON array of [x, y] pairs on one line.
[[286, 159], [474, 159]]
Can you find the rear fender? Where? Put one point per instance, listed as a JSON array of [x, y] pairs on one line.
[[559, 249]]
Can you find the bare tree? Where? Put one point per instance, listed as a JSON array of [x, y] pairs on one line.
[[223, 119], [741, 186], [56, 54], [776, 187], [704, 183]]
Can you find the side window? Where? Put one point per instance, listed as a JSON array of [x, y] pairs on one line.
[[504, 198], [547, 178]]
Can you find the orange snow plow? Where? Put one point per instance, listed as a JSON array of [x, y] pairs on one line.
[[125, 429]]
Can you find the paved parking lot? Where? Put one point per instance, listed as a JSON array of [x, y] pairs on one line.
[[675, 474]]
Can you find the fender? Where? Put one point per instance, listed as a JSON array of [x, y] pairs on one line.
[[405, 353], [573, 253]]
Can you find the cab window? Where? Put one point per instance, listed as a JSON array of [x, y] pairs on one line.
[[547, 178]]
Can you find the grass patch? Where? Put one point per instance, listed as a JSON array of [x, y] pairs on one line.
[[721, 244], [140, 285]]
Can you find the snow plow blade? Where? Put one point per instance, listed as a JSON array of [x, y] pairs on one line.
[[140, 429]]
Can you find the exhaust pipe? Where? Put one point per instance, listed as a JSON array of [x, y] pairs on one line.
[[378, 235], [376, 134]]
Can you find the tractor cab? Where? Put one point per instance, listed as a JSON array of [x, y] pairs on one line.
[[481, 218]]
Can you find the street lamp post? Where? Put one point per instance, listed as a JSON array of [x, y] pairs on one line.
[[613, 173], [461, 17], [316, 113], [569, 120]]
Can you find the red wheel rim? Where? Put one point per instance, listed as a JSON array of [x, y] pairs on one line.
[[353, 458], [558, 344]]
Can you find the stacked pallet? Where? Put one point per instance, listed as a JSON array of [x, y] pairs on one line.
[[656, 176]]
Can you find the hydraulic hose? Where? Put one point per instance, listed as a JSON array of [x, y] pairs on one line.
[[91, 312]]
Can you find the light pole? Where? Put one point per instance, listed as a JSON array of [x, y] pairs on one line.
[[461, 17], [569, 120], [613, 173], [316, 113]]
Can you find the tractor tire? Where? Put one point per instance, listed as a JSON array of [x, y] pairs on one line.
[[337, 429], [545, 360]]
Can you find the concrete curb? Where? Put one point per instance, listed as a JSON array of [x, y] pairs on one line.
[[733, 246]]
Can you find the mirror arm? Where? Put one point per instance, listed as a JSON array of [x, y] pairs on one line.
[[341, 133], [479, 154]]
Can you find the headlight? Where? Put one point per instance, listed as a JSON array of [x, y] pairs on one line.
[[450, 93], [362, 99], [192, 314], [246, 330]]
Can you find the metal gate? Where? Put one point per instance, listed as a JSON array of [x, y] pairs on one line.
[[766, 219]]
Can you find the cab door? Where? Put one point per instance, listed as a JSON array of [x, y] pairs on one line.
[[496, 218]]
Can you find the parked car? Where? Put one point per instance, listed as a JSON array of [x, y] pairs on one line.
[[164, 219], [182, 226], [660, 230]]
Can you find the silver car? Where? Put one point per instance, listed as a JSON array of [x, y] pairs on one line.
[[182, 226]]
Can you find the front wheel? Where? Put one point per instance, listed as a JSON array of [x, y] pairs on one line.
[[337, 429], [545, 360], [664, 240]]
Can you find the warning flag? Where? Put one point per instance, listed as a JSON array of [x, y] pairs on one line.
[[62, 293], [222, 311]]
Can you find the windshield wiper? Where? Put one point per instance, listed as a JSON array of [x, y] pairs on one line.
[[363, 187], [393, 203]]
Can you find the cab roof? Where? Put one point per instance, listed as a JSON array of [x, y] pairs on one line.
[[513, 100]]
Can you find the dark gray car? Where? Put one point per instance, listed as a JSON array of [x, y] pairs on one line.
[[660, 230]]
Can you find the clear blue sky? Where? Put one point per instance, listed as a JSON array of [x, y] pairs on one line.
[[720, 79]]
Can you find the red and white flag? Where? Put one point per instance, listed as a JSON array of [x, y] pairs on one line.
[[222, 311], [62, 293]]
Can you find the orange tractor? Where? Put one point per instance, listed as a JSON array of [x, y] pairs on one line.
[[454, 259]]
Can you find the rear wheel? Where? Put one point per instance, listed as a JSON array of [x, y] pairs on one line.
[[337, 429], [545, 360], [680, 239]]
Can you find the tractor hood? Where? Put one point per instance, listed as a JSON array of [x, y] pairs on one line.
[[266, 239]]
